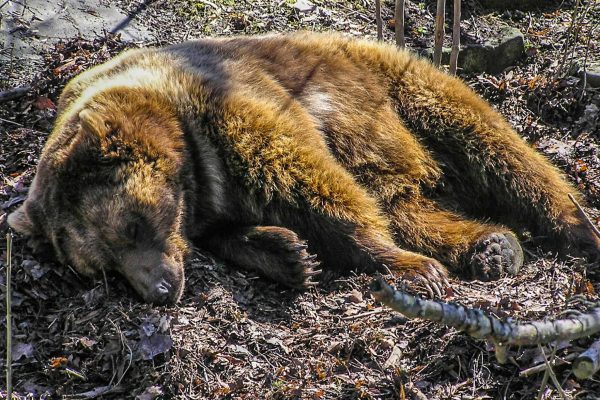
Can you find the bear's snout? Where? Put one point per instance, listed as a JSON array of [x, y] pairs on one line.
[[157, 278], [163, 293], [165, 289]]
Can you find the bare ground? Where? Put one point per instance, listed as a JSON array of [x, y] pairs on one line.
[[235, 335]]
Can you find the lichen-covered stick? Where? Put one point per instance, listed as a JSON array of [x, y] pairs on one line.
[[588, 362], [482, 326]]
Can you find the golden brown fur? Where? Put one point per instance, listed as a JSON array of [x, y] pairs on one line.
[[252, 145]]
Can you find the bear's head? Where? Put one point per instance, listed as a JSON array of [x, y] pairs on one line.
[[107, 194]]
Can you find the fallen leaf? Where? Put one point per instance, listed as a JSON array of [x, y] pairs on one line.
[[334, 347], [394, 358], [355, 296], [148, 328], [12, 201], [87, 342], [304, 6], [58, 362], [164, 324], [34, 269], [20, 350], [236, 349], [277, 342], [150, 347], [44, 103]]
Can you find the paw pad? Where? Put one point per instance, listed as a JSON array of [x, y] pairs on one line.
[[495, 255]]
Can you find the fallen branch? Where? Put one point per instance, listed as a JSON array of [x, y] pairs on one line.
[[588, 362], [482, 326], [14, 93]]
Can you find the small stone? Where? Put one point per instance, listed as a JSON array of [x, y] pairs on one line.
[[493, 56], [592, 76]]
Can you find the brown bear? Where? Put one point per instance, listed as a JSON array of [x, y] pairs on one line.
[[249, 146]]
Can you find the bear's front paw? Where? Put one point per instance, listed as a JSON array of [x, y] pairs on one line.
[[494, 255], [300, 266], [428, 274], [283, 256]]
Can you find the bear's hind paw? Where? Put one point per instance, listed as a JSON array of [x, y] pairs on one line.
[[494, 255]]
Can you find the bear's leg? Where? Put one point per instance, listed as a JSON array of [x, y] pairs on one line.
[[273, 251], [485, 251], [279, 254], [489, 169]]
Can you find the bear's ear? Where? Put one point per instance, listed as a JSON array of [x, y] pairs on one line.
[[19, 220], [92, 122]]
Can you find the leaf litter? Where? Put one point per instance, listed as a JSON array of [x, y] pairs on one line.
[[235, 335]]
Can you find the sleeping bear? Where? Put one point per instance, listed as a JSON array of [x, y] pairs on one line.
[[281, 152]]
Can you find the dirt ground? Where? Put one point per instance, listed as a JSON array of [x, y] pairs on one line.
[[235, 335]]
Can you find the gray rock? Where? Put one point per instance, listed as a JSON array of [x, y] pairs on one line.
[[493, 56], [592, 76], [32, 26]]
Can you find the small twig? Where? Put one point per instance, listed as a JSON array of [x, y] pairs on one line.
[[399, 26], [14, 93], [543, 366], [543, 384], [455, 38], [378, 20], [8, 315], [110, 387], [73, 373], [585, 61], [130, 359], [584, 215], [570, 43], [11, 122], [439, 32], [550, 372]]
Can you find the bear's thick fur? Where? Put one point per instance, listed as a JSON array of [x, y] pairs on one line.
[[251, 145]]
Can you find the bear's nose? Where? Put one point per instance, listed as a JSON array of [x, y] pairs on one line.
[[162, 293]]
